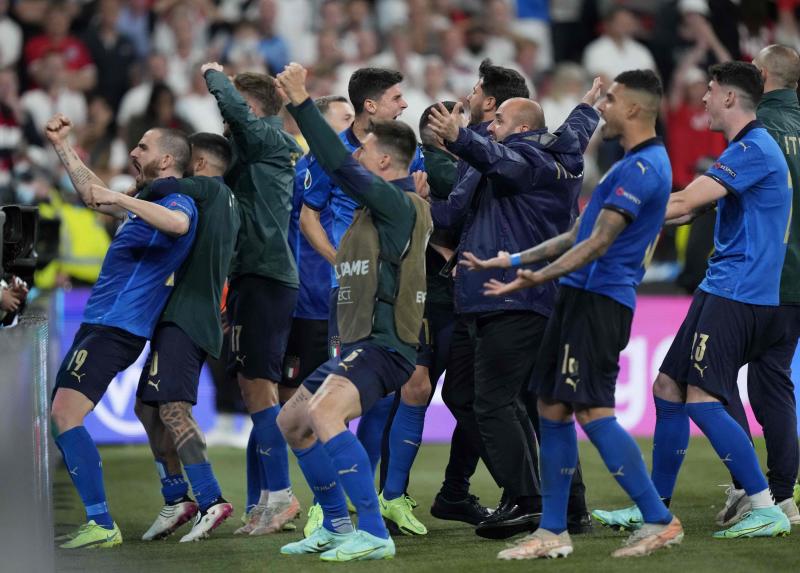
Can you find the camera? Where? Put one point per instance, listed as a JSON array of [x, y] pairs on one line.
[[18, 250]]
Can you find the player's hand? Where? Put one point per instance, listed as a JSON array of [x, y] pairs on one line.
[[595, 92], [99, 195], [445, 124], [473, 263], [421, 184], [525, 279], [211, 66], [293, 81], [58, 128]]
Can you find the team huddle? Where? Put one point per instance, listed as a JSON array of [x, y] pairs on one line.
[[361, 271]]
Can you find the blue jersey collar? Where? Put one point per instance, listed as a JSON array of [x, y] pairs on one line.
[[752, 125], [646, 143], [351, 137]]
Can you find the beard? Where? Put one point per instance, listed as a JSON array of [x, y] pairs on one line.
[[147, 174]]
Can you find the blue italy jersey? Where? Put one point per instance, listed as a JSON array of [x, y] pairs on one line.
[[321, 192], [312, 268], [752, 219], [638, 186], [138, 272]]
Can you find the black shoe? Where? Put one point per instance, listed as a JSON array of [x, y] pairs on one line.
[[467, 510], [508, 521], [578, 523]]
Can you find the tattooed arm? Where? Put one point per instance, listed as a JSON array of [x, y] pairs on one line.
[[57, 131], [608, 226], [554, 247]]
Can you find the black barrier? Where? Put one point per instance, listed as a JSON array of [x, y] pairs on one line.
[[26, 520]]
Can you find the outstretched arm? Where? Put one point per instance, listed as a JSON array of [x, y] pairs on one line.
[[608, 226], [172, 223], [57, 131], [698, 197]]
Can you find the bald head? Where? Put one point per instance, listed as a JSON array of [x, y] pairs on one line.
[[516, 115], [780, 67]]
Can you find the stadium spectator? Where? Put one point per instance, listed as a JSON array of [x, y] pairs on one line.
[[199, 108], [136, 21], [400, 56], [273, 47], [617, 50], [54, 94], [113, 52], [10, 37], [134, 102], [160, 112], [57, 39], [16, 129], [106, 152]]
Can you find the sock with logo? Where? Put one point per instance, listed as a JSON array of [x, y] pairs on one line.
[[405, 437], [86, 470], [272, 454], [204, 484], [670, 442], [370, 429], [173, 487], [731, 444], [558, 458], [257, 485], [624, 460], [352, 464], [321, 477]]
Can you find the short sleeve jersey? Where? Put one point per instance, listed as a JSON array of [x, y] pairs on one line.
[[138, 272], [321, 192], [638, 187], [752, 219]]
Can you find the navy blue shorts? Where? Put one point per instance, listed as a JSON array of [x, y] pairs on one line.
[[306, 351], [578, 361], [97, 354], [718, 337], [375, 371], [425, 350], [172, 370], [260, 312]]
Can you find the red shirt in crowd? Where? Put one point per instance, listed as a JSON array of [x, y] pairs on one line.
[[688, 140], [76, 54]]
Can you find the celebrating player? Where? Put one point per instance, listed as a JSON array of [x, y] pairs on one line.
[[381, 270]]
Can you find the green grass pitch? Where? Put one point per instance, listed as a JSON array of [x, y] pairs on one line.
[[134, 499]]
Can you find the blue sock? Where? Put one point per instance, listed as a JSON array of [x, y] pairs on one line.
[[256, 480], [370, 429], [173, 487], [731, 444], [405, 438], [670, 443], [272, 452], [86, 470], [352, 464], [204, 484], [321, 477], [558, 457], [624, 460]]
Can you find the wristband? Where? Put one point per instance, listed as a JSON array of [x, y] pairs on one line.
[[516, 259]]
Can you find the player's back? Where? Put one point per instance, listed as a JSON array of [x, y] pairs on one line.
[[752, 219], [637, 186], [198, 291], [138, 272]]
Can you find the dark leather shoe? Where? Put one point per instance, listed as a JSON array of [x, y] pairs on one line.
[[508, 521], [578, 523], [467, 510]]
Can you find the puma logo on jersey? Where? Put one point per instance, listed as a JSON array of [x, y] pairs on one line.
[[572, 383], [264, 452], [352, 268], [154, 384], [745, 147], [700, 369], [74, 471], [240, 359], [352, 470], [641, 166], [78, 376], [727, 459], [619, 472], [410, 443]]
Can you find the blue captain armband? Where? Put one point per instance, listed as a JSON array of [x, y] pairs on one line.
[[516, 259]]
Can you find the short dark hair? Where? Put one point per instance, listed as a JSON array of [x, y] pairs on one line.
[[324, 103], [263, 88], [423, 119], [501, 83], [213, 144], [641, 80], [396, 137], [744, 77], [370, 83], [175, 143]]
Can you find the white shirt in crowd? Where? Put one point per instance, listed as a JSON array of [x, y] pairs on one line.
[[605, 57]]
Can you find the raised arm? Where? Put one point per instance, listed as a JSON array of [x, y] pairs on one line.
[[247, 130], [57, 131], [608, 226], [584, 118]]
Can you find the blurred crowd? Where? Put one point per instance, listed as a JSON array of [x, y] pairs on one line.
[[120, 67]]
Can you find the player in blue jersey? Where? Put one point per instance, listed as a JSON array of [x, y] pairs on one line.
[[734, 317], [136, 279], [602, 260], [375, 94]]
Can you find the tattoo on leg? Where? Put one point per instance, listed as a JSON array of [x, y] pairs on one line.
[[185, 433]]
